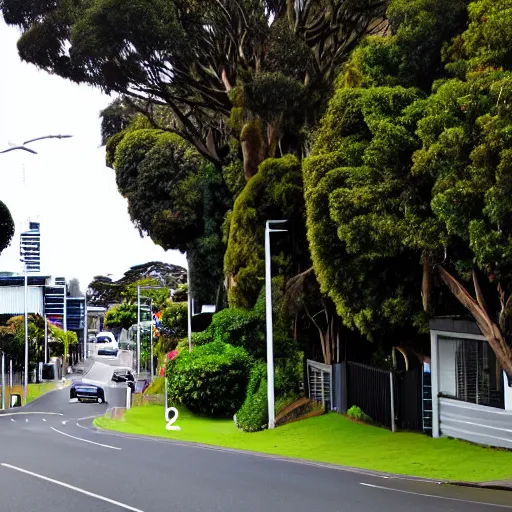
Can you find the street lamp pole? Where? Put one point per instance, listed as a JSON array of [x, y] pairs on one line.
[[268, 311], [189, 309], [138, 330], [25, 383], [151, 338], [139, 288], [24, 148]]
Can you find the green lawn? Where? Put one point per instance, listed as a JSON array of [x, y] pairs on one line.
[[335, 439], [36, 390]]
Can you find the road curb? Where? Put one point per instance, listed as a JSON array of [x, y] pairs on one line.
[[326, 465]]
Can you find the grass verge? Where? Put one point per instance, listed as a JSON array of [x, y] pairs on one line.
[[37, 390], [332, 438]]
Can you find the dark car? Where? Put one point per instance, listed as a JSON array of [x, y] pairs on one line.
[[85, 392], [125, 375]]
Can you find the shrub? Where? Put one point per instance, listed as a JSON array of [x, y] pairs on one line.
[[288, 373], [356, 413], [201, 338], [253, 415], [156, 387], [212, 379], [239, 327]]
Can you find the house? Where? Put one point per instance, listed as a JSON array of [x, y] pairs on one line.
[[471, 394]]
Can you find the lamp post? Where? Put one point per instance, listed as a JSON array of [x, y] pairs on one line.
[[189, 309], [139, 288], [24, 148], [268, 311]]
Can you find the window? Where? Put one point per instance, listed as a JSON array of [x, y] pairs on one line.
[[468, 371]]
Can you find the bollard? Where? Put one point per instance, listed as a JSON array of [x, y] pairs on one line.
[[128, 397]]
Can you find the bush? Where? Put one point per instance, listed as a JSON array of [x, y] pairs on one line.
[[253, 415], [356, 413], [174, 319], [211, 380], [288, 373], [156, 387], [239, 327]]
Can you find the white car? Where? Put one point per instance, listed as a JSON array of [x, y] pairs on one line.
[[106, 344]]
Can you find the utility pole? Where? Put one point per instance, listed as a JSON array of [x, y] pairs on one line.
[[268, 311]]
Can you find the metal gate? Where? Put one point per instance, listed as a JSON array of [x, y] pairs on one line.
[[320, 383]]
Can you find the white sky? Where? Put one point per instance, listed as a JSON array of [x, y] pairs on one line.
[[85, 226]]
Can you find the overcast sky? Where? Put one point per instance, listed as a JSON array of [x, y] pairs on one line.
[[85, 226]]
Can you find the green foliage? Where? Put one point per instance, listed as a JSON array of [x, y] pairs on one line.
[[356, 413], [160, 297], [275, 192], [238, 327], [174, 319], [253, 415], [157, 173], [411, 54], [123, 315], [210, 380], [246, 328], [65, 337], [488, 42], [274, 95], [6, 227], [181, 293], [157, 387], [356, 184]]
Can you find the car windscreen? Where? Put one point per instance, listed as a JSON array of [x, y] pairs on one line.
[[103, 339]]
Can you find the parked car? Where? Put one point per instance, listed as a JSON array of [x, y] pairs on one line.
[[109, 345], [85, 392], [124, 375]]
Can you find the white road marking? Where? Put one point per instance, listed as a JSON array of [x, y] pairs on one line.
[[12, 419], [44, 419], [86, 440], [434, 496], [73, 488], [26, 420], [30, 412], [64, 422]]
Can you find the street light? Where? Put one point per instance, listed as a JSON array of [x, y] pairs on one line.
[[139, 288], [268, 311], [23, 148]]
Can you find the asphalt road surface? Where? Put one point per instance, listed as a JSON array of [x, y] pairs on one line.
[[52, 460]]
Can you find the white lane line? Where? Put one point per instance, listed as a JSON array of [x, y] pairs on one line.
[[86, 440], [26, 420], [64, 422], [30, 412], [44, 419], [434, 496], [12, 419], [73, 488]]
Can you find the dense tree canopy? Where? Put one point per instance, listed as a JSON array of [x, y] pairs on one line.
[[189, 55], [275, 192], [397, 174], [6, 227]]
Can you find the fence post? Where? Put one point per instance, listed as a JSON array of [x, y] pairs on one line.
[[344, 386], [308, 383], [323, 391], [392, 394]]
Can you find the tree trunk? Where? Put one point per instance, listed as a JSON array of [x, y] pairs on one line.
[[254, 147], [491, 331]]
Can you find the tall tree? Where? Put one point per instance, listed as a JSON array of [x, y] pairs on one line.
[[6, 227], [190, 56], [431, 182]]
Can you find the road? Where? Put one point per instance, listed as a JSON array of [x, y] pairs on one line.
[[58, 462]]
